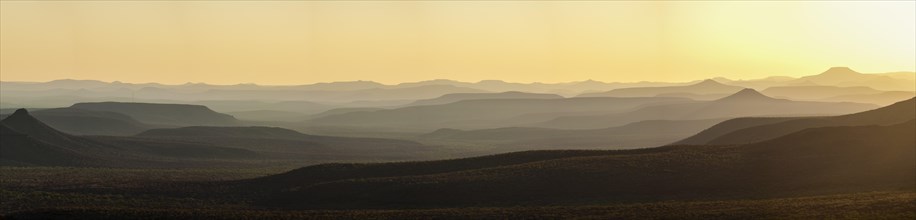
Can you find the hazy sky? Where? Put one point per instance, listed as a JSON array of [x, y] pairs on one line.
[[295, 42]]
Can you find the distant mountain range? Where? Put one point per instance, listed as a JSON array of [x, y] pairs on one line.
[[450, 98], [705, 87], [486, 113], [319, 97], [860, 94]]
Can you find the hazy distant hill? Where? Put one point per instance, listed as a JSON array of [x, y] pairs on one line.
[[739, 131], [901, 75], [884, 98], [705, 87], [744, 103], [449, 98], [484, 113], [28, 141], [757, 84], [809, 162], [846, 77], [61, 93], [168, 114], [639, 134]]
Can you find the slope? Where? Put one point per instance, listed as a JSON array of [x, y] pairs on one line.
[[810, 162], [904, 110], [747, 130]]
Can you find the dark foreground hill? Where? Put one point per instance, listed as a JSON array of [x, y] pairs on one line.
[[28, 141], [809, 162], [748, 130], [165, 114]]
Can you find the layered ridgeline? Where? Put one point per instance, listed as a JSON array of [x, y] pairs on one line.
[[313, 98], [858, 94], [746, 102], [706, 89], [846, 77], [449, 98], [634, 135], [814, 161], [486, 113], [281, 143], [28, 141], [125, 119], [749, 130], [170, 114]]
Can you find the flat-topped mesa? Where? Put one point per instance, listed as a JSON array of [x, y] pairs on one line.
[[840, 70], [158, 113]]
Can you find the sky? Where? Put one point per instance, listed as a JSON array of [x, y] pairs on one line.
[[299, 42]]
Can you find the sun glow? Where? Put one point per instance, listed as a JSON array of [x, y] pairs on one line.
[[291, 42]]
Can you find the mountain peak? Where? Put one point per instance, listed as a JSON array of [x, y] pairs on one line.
[[840, 70], [746, 95], [709, 82], [21, 113], [23, 122]]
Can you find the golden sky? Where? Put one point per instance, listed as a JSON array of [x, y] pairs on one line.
[[297, 42]]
